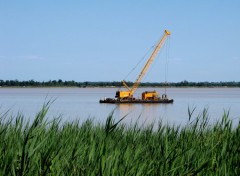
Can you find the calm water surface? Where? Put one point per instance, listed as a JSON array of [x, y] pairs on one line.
[[82, 103]]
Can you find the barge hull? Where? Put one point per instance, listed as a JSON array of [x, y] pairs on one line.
[[114, 101]]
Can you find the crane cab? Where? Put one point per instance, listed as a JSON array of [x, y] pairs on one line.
[[123, 94], [150, 95]]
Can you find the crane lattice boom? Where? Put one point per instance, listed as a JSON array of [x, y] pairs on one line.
[[130, 92], [149, 62]]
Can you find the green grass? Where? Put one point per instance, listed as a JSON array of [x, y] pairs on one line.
[[55, 148]]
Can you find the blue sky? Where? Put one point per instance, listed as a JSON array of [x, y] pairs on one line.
[[104, 40]]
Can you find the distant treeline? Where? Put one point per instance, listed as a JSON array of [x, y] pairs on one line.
[[60, 83]]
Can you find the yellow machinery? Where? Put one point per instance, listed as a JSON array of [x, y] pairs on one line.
[[150, 95], [145, 95]]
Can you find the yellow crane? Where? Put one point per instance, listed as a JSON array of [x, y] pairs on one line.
[[151, 95]]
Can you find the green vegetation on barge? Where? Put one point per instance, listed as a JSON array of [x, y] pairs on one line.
[[56, 148]]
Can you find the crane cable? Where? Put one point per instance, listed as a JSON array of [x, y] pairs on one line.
[[151, 48], [140, 61], [154, 63], [165, 49], [167, 63]]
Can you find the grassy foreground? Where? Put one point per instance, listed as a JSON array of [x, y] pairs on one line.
[[54, 148]]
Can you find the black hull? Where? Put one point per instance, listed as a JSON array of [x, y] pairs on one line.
[[115, 101]]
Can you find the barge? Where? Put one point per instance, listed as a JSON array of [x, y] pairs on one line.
[[135, 101], [130, 100]]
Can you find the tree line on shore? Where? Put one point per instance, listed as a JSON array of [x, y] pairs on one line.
[[61, 83]]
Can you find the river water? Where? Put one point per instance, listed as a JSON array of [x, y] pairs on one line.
[[83, 103]]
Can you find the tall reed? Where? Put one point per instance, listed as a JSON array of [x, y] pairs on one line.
[[54, 148]]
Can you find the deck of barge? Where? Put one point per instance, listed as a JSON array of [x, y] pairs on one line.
[[117, 101]]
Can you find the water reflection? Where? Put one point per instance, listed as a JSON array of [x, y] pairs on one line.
[[143, 114]]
